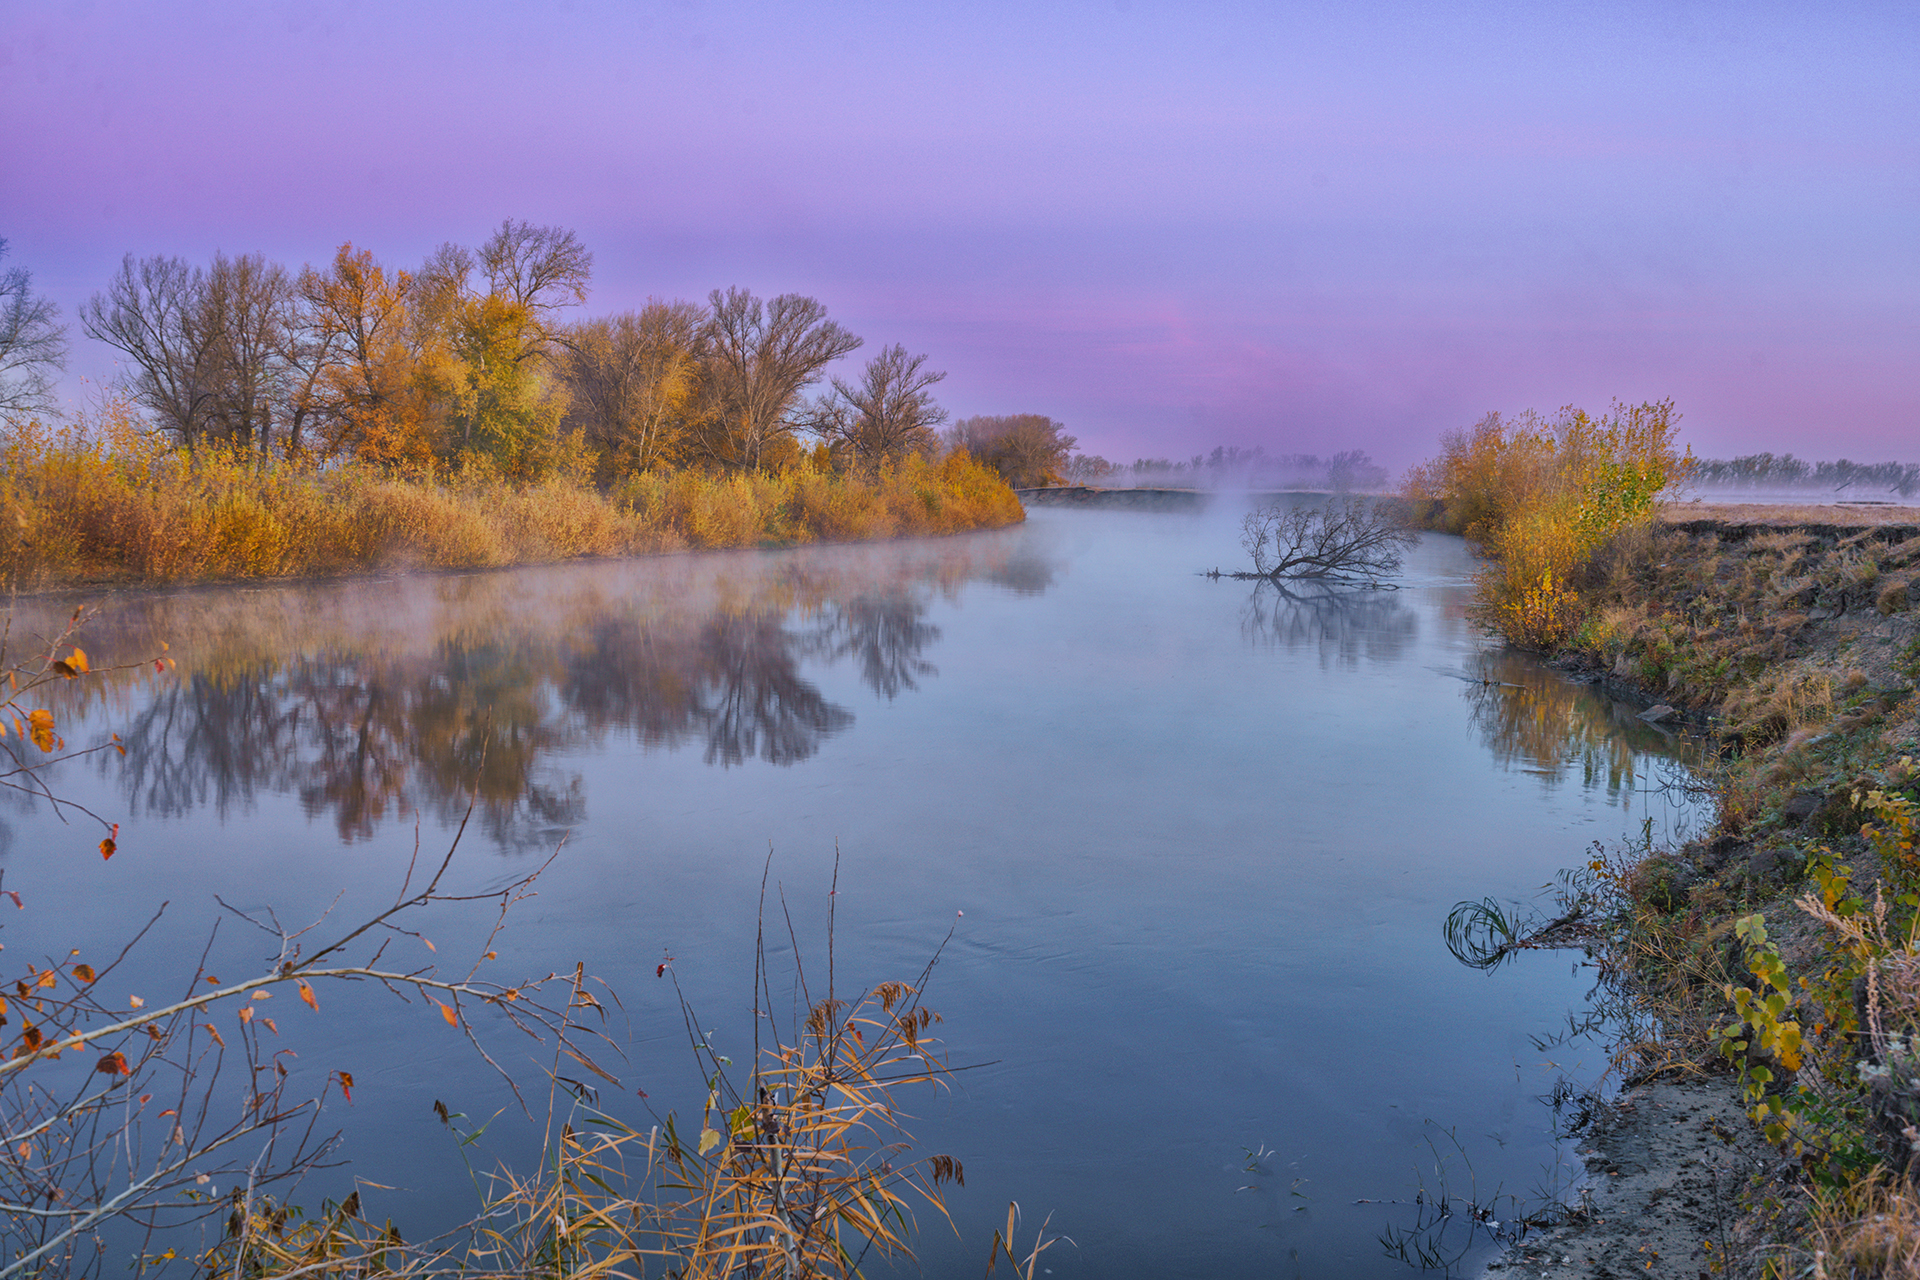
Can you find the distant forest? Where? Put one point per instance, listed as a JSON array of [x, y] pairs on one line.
[[1784, 471], [1231, 466]]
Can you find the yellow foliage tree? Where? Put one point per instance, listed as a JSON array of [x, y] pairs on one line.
[[375, 406]]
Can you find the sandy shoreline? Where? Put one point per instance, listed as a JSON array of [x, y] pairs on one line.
[[1667, 1164]]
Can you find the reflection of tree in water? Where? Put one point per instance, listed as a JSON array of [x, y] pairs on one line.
[[1534, 719], [1027, 572], [1342, 625], [754, 700], [358, 737], [886, 635], [370, 726]]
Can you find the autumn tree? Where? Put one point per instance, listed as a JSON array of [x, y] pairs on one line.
[[1088, 468], [889, 412], [365, 396], [246, 308], [209, 346], [491, 319], [757, 359], [1341, 543], [33, 344], [153, 312], [632, 380], [540, 269], [1029, 450]]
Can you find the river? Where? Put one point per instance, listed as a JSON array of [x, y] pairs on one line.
[[1194, 843]]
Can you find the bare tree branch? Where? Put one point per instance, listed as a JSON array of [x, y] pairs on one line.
[[1354, 542], [33, 344]]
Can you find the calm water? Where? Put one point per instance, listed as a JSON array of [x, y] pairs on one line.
[[1203, 839]]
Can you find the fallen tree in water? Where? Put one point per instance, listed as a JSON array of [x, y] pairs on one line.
[[1355, 542]]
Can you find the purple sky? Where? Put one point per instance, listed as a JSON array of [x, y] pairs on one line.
[[1305, 226]]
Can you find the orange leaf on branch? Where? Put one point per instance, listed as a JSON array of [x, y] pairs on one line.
[[114, 1064]]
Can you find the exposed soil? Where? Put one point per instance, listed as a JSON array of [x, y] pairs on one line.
[[1668, 1169]]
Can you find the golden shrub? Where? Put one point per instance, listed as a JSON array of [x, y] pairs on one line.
[[103, 500], [1540, 497]]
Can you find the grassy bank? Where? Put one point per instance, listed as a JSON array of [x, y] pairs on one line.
[[1782, 947], [1778, 951], [107, 505]]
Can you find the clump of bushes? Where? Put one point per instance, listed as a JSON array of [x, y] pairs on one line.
[[105, 500], [1539, 496]]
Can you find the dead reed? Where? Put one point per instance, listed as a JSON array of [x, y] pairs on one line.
[[100, 502]]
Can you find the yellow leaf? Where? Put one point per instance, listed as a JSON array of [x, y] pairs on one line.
[[306, 993], [78, 660], [446, 1011], [136, 1002], [709, 1139], [42, 728], [84, 972]]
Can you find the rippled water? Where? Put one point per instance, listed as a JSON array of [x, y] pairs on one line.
[[1203, 838]]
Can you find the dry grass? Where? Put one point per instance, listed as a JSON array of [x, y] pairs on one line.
[[802, 1171], [1870, 1228], [1791, 515], [102, 503]]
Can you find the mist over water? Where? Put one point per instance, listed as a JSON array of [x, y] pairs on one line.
[[1204, 838]]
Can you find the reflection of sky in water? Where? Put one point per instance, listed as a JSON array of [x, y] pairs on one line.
[[1204, 839]]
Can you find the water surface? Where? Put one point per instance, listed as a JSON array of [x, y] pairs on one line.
[[1203, 839]]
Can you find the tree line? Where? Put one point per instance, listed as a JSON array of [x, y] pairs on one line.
[[1784, 471], [1349, 470], [481, 354]]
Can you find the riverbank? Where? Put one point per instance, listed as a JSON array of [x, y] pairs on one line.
[[1792, 636], [78, 514]]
